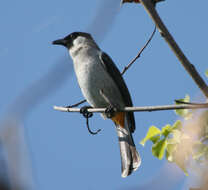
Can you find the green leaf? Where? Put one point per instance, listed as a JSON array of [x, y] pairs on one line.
[[166, 130], [206, 73], [155, 139], [183, 112], [186, 99], [158, 149], [168, 156], [171, 148], [151, 135]]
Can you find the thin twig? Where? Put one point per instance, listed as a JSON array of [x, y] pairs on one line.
[[77, 104], [137, 109], [140, 52], [189, 103], [149, 6]]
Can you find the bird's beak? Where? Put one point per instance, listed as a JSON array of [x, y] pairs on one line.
[[62, 42]]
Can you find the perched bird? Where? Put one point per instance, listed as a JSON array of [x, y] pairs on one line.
[[96, 72]]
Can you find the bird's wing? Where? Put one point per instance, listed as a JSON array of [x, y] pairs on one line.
[[115, 74]]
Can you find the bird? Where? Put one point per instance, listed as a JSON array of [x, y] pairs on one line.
[[96, 72]]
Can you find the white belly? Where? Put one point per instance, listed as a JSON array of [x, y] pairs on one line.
[[92, 78]]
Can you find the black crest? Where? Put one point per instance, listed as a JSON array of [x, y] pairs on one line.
[[74, 35]]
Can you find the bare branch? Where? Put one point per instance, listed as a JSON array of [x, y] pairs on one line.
[[138, 109], [189, 103], [140, 52], [149, 6], [77, 104]]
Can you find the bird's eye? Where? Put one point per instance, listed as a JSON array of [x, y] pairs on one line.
[[74, 35]]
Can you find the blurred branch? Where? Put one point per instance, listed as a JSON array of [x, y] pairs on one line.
[[149, 6], [20, 173], [137, 109], [108, 8]]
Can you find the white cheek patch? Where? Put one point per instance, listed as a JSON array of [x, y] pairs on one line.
[[78, 44], [79, 41]]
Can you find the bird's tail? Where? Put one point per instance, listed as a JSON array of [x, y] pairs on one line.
[[130, 159]]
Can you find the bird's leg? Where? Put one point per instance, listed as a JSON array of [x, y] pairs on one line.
[[111, 109], [75, 105], [87, 115]]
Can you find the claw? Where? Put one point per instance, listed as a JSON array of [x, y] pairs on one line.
[[110, 111], [87, 115]]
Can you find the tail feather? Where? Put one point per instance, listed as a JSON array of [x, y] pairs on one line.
[[130, 159]]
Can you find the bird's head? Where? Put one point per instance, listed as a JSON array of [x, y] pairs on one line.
[[74, 39]]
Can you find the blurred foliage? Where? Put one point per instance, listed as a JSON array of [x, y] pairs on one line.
[[181, 141]]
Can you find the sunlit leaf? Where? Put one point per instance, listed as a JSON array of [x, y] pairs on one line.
[[154, 139], [171, 148], [152, 132], [166, 130], [158, 149], [183, 112], [168, 156]]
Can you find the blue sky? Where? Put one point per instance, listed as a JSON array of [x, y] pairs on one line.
[[64, 155]]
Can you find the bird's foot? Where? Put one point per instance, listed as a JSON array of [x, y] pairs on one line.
[[87, 115], [110, 111]]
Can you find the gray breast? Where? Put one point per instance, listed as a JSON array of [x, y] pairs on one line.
[[92, 78]]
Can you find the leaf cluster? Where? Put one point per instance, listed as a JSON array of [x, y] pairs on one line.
[[175, 144]]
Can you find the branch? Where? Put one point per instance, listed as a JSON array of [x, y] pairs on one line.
[[149, 6], [137, 109], [140, 52], [77, 104]]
